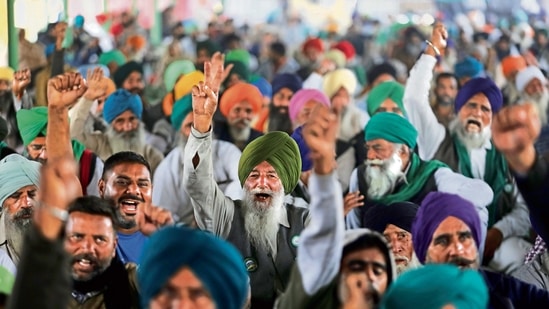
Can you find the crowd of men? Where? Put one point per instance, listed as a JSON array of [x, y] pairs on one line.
[[288, 181]]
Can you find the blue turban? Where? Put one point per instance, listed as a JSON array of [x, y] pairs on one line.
[[264, 87], [436, 285], [181, 109], [435, 208], [392, 128], [17, 172], [286, 80], [83, 69], [79, 21], [217, 264], [400, 214], [120, 101], [480, 85], [304, 152], [468, 67]]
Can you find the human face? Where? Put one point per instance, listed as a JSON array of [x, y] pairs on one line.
[[37, 150], [183, 290], [371, 262], [476, 114], [240, 115], [125, 122], [201, 57], [305, 112], [129, 186], [340, 99], [534, 87], [389, 106], [379, 149], [20, 205], [282, 97], [5, 86], [262, 180], [446, 89], [453, 243], [312, 54], [134, 83], [401, 244], [91, 242]]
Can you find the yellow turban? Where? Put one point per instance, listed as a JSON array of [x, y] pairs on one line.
[[6, 73], [340, 78], [185, 84]]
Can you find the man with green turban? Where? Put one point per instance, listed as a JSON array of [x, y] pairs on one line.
[[261, 226], [32, 126], [386, 97], [393, 172]]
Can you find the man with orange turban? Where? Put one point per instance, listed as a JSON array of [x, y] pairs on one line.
[[510, 66], [239, 104]]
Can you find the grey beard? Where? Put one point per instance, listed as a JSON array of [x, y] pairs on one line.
[[15, 235], [240, 135], [469, 140], [383, 179], [541, 102], [128, 141], [261, 221], [412, 264]]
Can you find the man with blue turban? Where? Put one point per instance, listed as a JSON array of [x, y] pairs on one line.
[[123, 112], [263, 227], [466, 147], [19, 179]]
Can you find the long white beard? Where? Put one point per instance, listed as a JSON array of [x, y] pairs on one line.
[[240, 135], [261, 219], [410, 264], [471, 140], [541, 102], [383, 175], [128, 141]]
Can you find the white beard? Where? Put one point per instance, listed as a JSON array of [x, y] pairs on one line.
[[411, 264], [240, 135], [131, 141], [471, 140], [383, 175], [261, 219], [540, 101]]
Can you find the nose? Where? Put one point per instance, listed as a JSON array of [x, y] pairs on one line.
[[26, 201], [127, 127], [185, 303], [133, 188], [456, 249], [371, 154], [88, 246], [395, 246], [43, 154]]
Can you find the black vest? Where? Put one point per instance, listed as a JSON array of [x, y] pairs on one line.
[[268, 278]]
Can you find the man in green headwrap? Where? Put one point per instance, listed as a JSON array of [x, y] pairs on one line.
[[32, 126], [386, 97], [392, 172], [262, 226]]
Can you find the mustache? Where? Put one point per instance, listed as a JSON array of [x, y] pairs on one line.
[[262, 191], [24, 212], [136, 90], [461, 261], [130, 197], [85, 256]]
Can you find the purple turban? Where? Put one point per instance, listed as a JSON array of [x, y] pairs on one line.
[[480, 85], [300, 98], [435, 208], [286, 80], [306, 162]]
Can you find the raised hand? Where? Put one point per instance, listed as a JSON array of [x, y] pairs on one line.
[[438, 38], [151, 218], [320, 135], [205, 95], [351, 201], [65, 89], [514, 131], [21, 79], [96, 84]]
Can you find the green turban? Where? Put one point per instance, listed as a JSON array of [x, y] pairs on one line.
[[436, 285], [114, 55], [34, 122], [280, 151], [17, 172], [181, 109], [392, 128], [241, 55], [386, 90]]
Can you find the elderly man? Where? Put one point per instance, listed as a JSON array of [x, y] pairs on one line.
[[263, 228], [447, 230], [122, 111], [393, 173], [32, 126], [13, 97], [467, 148], [184, 265], [394, 221], [239, 104], [19, 179], [303, 102], [169, 190], [510, 66]]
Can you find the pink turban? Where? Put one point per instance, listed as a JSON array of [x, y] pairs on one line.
[[300, 98]]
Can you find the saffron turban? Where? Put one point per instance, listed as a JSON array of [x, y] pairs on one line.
[[17, 172], [185, 84], [512, 64], [435, 208], [181, 109], [386, 90], [392, 128], [468, 67], [286, 80], [280, 151], [240, 92], [479, 85], [120, 101], [400, 214], [217, 264], [174, 70], [436, 285], [528, 74], [340, 78], [300, 98], [124, 71]]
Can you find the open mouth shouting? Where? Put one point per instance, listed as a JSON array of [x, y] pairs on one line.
[[129, 203], [262, 197], [84, 263], [473, 125]]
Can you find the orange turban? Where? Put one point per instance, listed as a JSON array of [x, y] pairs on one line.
[[137, 42], [239, 93], [185, 84], [512, 64]]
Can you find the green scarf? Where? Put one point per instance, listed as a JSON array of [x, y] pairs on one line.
[[77, 149], [418, 174], [495, 174]]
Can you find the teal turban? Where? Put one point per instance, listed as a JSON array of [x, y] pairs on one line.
[[174, 70], [386, 90], [114, 55], [280, 151], [217, 264], [392, 128], [181, 109], [32, 123], [17, 172], [436, 285]]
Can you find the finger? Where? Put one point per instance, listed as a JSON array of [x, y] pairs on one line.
[[195, 91], [210, 93], [207, 71]]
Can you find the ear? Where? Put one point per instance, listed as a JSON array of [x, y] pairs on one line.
[[115, 243], [101, 185]]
